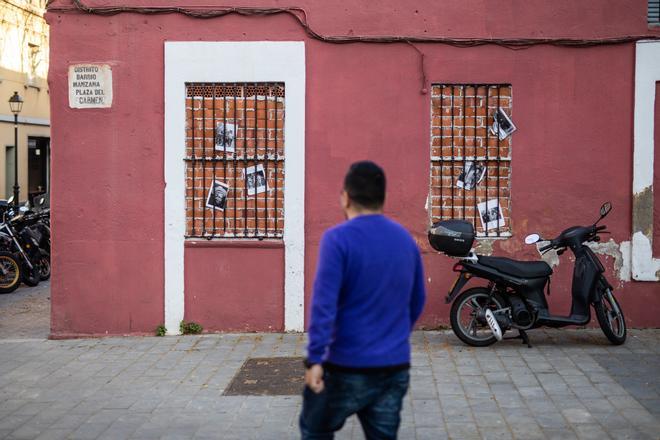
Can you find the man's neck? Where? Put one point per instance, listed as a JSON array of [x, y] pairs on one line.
[[351, 214]]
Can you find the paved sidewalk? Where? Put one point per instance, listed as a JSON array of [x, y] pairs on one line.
[[572, 384]]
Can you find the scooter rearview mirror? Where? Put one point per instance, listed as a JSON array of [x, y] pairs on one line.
[[532, 238], [605, 209]]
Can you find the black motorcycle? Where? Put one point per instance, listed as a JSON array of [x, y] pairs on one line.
[[23, 243], [515, 295]]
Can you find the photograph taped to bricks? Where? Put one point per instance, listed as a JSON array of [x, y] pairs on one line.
[[473, 175], [225, 137], [469, 164], [231, 128], [490, 214], [502, 125], [255, 180], [217, 198]]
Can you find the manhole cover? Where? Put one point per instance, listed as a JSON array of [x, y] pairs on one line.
[[275, 376]]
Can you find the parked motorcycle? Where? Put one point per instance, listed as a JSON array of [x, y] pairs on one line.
[[515, 295], [20, 235], [39, 225]]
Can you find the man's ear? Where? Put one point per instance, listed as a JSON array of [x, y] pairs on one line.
[[344, 200]]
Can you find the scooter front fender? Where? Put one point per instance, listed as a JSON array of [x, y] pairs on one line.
[[459, 283]]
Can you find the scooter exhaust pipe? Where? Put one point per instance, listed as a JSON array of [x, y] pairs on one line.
[[494, 325]]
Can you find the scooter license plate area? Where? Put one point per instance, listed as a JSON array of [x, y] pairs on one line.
[[451, 289], [455, 289]]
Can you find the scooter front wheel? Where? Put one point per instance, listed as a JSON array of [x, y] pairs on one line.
[[30, 276], [10, 273], [610, 317], [465, 320]]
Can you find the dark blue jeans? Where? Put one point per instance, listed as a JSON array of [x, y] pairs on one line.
[[376, 398]]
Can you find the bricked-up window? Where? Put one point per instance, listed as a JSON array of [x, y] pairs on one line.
[[470, 158], [234, 160]]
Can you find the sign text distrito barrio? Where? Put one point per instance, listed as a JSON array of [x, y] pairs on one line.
[[90, 86]]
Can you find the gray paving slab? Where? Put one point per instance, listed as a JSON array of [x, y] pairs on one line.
[[571, 384], [637, 373]]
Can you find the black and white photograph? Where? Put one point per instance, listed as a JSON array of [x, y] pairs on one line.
[[255, 179], [217, 198], [225, 137], [502, 126], [490, 214], [471, 175]]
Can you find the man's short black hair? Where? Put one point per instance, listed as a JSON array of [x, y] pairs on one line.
[[365, 185]]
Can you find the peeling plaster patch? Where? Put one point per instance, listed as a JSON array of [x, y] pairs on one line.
[[549, 257], [429, 280], [484, 246], [620, 253], [643, 211], [646, 267], [626, 268], [426, 204]]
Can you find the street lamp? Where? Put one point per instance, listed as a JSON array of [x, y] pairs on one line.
[[16, 104]]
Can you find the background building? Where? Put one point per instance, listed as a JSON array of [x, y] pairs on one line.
[[23, 68], [210, 145]]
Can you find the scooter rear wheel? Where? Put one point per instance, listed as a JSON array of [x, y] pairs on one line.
[[44, 266], [610, 317], [463, 317]]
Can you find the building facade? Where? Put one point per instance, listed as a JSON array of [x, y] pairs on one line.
[[24, 69], [210, 145]]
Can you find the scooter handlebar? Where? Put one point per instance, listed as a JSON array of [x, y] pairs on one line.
[[546, 247]]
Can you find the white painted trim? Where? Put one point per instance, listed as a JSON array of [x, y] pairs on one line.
[[647, 72], [25, 120], [235, 62]]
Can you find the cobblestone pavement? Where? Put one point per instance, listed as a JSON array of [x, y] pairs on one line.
[[25, 313], [572, 384]]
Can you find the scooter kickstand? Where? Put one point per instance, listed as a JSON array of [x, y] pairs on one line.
[[522, 334], [525, 338]]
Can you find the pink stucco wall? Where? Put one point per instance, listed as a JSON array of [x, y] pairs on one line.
[[235, 288], [572, 150]]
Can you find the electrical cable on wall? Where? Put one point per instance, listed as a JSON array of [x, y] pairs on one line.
[[300, 15]]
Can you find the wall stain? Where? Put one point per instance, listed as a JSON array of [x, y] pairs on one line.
[[643, 211]]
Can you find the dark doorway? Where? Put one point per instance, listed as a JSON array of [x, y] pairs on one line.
[[38, 165]]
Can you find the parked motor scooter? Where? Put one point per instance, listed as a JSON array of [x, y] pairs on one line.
[[515, 295]]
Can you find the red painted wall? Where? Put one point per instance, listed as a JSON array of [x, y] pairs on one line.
[[237, 288], [573, 148]]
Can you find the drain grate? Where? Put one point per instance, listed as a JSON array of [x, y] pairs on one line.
[[275, 376]]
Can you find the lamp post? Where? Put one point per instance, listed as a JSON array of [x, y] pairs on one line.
[[16, 104]]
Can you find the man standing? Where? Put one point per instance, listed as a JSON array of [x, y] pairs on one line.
[[368, 293]]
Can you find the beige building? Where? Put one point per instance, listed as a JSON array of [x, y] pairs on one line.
[[24, 68]]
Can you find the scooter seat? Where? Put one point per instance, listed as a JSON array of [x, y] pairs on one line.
[[521, 269]]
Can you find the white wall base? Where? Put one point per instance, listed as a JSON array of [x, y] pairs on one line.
[[647, 72]]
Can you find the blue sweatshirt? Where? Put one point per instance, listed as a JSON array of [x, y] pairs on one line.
[[368, 293]]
